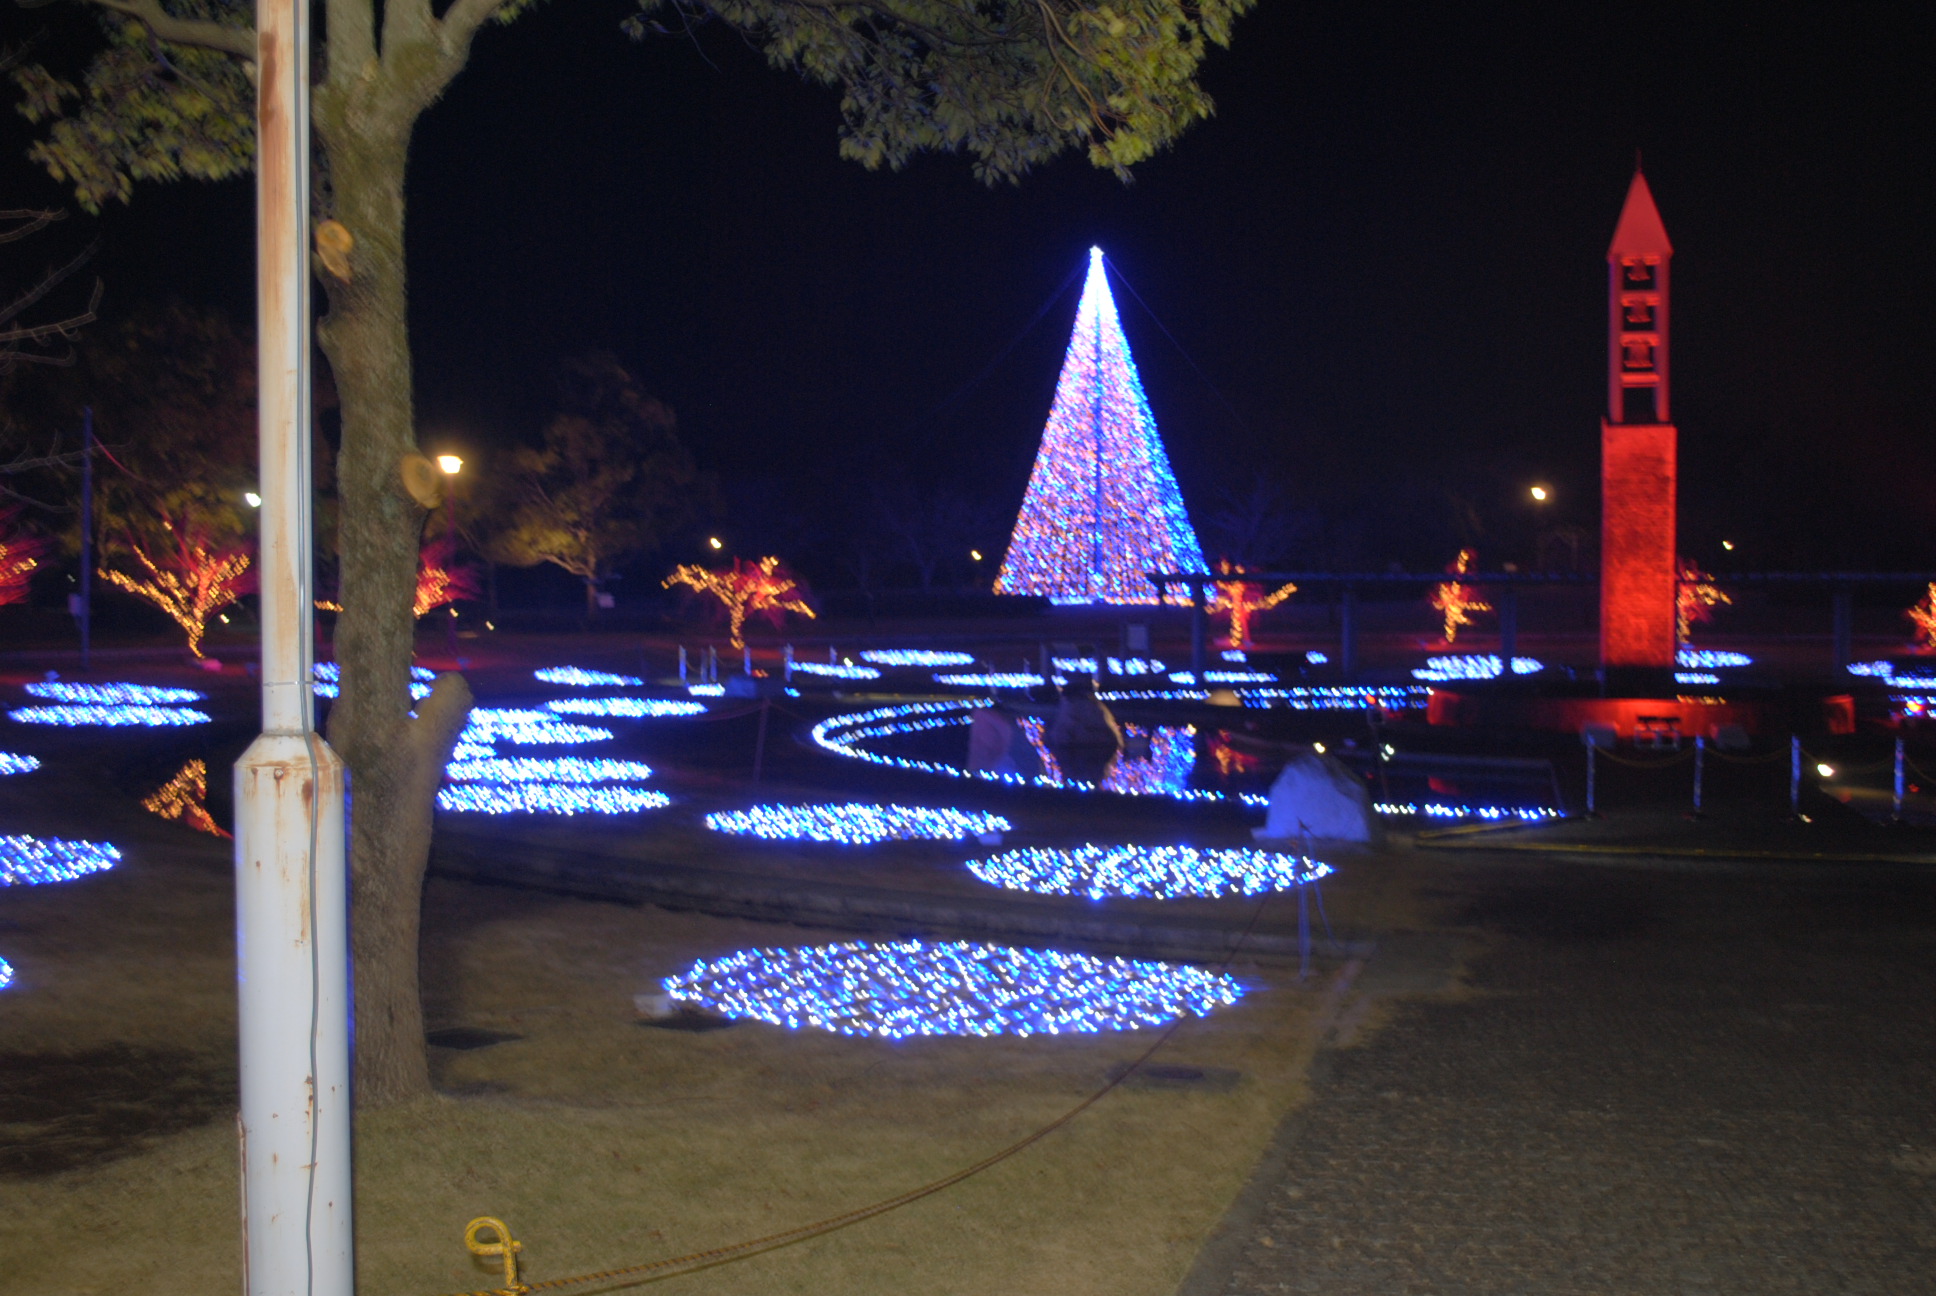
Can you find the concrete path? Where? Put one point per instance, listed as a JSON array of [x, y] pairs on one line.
[[1657, 1082]]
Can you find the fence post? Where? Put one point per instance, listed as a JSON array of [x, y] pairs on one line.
[[1897, 818], [1700, 770], [1795, 776]]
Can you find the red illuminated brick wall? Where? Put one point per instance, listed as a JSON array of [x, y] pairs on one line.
[[1637, 475]]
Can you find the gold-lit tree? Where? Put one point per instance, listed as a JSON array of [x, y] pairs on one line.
[[1239, 601], [440, 581], [1695, 598], [744, 588], [1454, 600], [1923, 616], [185, 798], [191, 577]]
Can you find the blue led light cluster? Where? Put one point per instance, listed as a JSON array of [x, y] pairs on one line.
[[856, 825], [467, 750], [577, 678], [13, 763], [1102, 509], [114, 694], [915, 657], [1116, 665], [331, 673], [1710, 658], [29, 861], [706, 690], [632, 708], [1441, 810], [6, 974], [1696, 677], [836, 670], [1224, 677], [527, 728], [1338, 697], [894, 990], [993, 679], [1316, 658], [556, 769], [548, 798], [1878, 669], [1474, 666], [1153, 695], [150, 717], [1147, 872], [1234, 655]]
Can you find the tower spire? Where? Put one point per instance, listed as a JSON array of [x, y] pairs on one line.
[[1102, 509]]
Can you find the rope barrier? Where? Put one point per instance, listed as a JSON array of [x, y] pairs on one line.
[[654, 1270]]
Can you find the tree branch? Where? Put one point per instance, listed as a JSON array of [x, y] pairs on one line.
[[239, 41], [462, 20]]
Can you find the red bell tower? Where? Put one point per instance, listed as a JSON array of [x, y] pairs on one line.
[[1638, 449]]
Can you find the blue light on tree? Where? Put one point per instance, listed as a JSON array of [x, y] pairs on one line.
[[898, 989], [578, 678], [629, 708], [854, 825], [1102, 509], [30, 861], [1147, 872]]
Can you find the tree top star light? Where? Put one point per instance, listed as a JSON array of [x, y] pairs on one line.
[[1102, 509]]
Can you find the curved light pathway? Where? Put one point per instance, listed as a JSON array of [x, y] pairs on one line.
[[13, 763], [577, 677], [150, 717], [113, 694], [893, 990], [549, 798], [856, 825], [1147, 872], [634, 708]]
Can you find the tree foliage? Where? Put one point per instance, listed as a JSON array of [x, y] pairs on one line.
[[609, 480]]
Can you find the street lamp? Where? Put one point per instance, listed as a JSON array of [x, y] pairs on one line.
[[1539, 494], [715, 542], [451, 465], [252, 499]]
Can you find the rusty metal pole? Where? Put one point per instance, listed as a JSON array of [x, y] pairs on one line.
[[292, 893]]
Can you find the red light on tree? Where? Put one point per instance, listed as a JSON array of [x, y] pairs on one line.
[[1454, 600], [1239, 601], [765, 587], [440, 582], [1695, 599], [19, 556]]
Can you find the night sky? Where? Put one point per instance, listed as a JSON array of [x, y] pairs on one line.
[[1379, 272]]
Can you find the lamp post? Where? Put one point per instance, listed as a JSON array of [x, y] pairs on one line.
[[451, 466]]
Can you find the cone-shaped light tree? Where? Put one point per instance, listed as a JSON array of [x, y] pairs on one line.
[[1102, 510]]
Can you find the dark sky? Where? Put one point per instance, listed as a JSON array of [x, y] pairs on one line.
[[1380, 267]]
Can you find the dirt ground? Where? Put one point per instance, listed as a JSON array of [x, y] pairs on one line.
[[600, 1140]]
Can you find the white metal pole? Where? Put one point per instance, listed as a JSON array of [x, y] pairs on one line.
[[292, 892]]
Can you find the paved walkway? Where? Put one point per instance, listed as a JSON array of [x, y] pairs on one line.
[[1662, 1083]]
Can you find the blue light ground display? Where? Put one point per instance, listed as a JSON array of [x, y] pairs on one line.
[[548, 798], [80, 716], [629, 708], [1147, 872], [577, 677], [893, 990], [31, 861], [13, 763], [113, 694], [855, 825], [6, 974], [1102, 509]]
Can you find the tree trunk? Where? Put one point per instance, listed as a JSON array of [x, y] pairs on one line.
[[395, 761]]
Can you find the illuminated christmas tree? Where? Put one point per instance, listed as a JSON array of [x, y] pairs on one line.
[[1102, 508], [765, 587]]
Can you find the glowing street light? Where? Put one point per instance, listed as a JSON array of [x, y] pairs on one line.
[[1728, 545], [451, 464], [1539, 494], [975, 554], [254, 500], [715, 542]]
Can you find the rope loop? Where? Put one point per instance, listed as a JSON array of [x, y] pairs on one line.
[[506, 1246]]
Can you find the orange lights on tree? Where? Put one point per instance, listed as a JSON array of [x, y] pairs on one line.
[[194, 582], [1695, 598], [1923, 615], [1239, 601], [1454, 600], [439, 581], [19, 556], [746, 587], [185, 797]]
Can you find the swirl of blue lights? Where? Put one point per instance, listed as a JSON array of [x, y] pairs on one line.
[[150, 717], [1710, 658], [557, 769], [548, 798], [1147, 872], [113, 694], [29, 861], [898, 989], [577, 677], [527, 728], [856, 825], [13, 763], [836, 670], [914, 657], [632, 708]]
